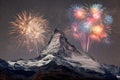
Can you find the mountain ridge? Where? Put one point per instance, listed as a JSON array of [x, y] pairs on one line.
[[64, 56]]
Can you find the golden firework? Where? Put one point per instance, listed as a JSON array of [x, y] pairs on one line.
[[30, 29]]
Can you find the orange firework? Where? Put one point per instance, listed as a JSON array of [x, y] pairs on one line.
[[98, 32]]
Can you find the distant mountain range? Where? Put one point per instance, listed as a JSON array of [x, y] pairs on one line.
[[58, 61]]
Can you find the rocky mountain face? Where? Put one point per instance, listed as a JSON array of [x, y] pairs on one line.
[[58, 61]]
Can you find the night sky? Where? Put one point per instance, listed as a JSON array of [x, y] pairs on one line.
[[56, 12]]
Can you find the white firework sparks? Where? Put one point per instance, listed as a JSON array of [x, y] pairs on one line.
[[30, 30]]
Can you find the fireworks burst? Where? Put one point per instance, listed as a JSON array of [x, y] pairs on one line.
[[90, 24], [30, 30]]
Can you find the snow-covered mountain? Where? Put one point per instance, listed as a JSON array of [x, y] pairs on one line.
[[61, 53]]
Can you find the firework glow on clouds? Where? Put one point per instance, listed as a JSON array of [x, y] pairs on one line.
[[30, 30], [90, 24]]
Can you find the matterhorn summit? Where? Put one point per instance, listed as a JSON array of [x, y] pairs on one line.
[[59, 60]]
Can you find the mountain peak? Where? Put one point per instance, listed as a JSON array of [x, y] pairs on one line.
[[66, 53], [57, 43], [60, 52]]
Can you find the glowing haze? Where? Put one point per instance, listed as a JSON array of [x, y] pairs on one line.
[[90, 24], [30, 29]]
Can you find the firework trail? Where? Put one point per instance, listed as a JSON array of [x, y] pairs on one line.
[[90, 24], [30, 30]]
